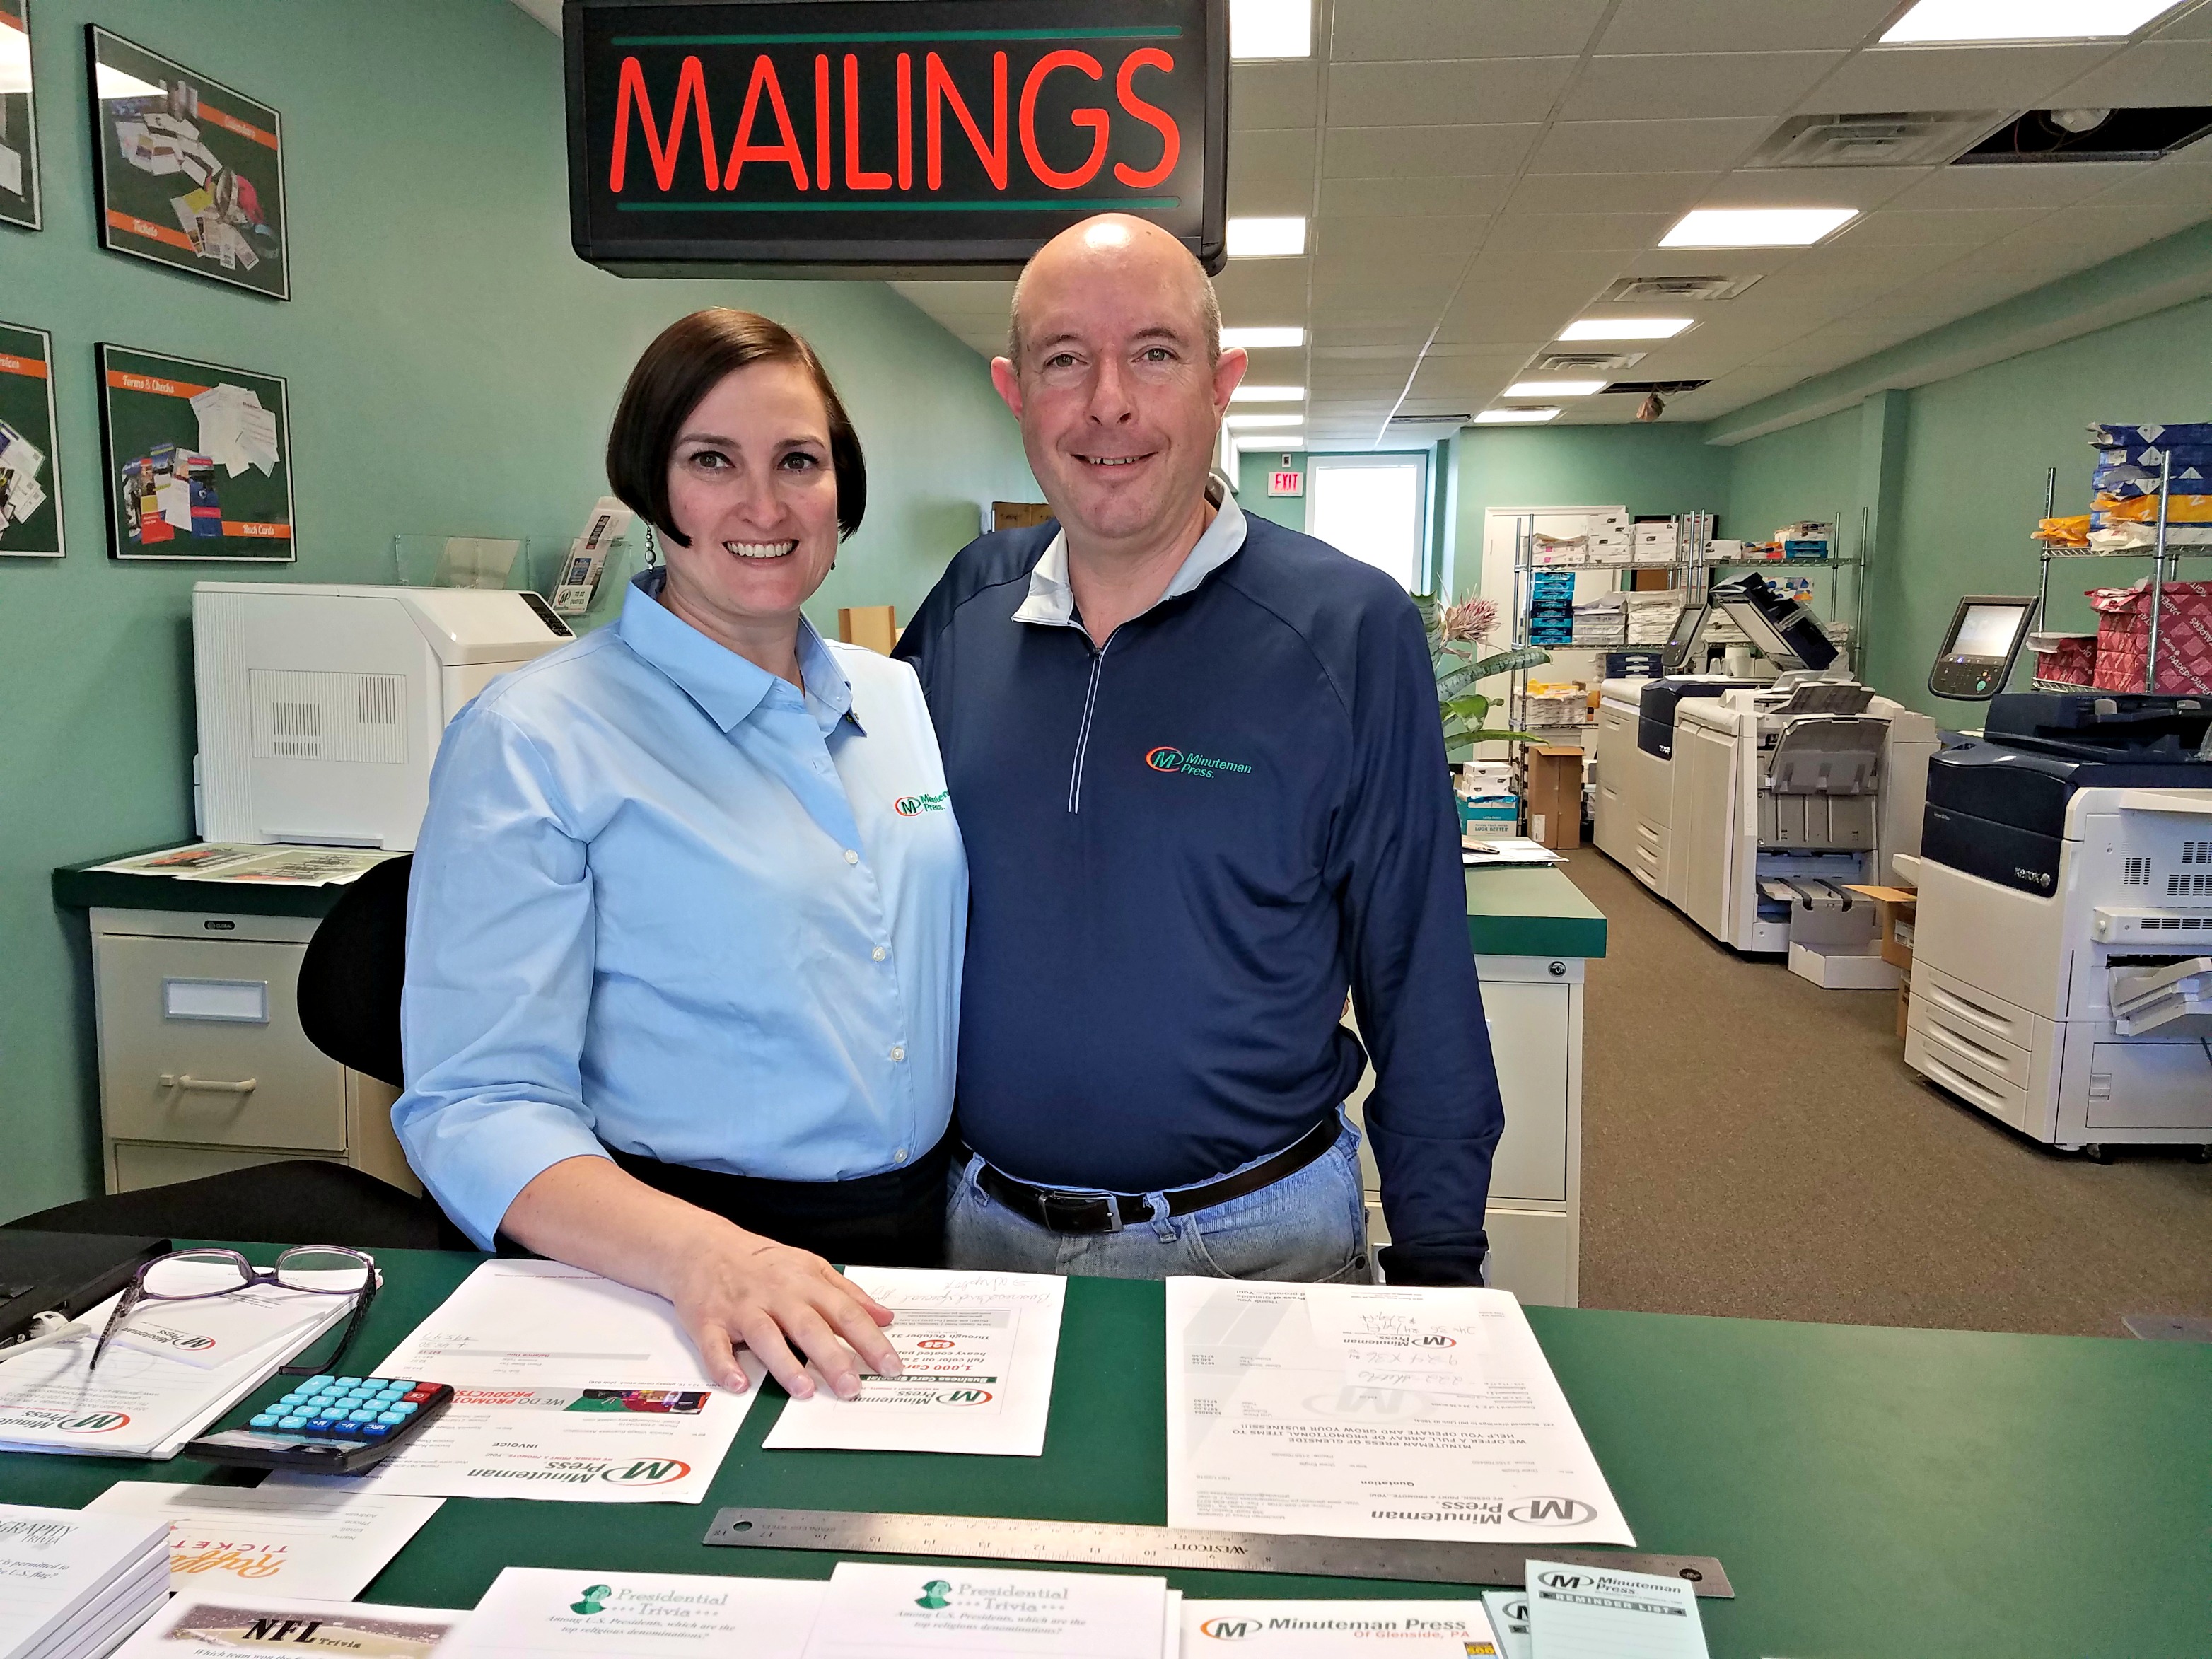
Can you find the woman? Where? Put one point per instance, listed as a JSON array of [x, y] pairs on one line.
[[684, 925]]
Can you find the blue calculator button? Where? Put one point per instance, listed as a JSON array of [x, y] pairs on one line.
[[376, 1431], [406, 1408], [391, 1419], [322, 1380], [401, 1383], [318, 1426], [266, 1420], [348, 1381], [291, 1422]]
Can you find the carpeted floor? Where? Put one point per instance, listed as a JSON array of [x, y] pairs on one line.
[[1752, 1145]]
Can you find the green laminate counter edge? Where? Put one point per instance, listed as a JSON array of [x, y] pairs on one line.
[[1973, 1495], [1530, 910], [81, 887]]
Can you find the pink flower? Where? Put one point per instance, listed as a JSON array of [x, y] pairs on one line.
[[1470, 619]]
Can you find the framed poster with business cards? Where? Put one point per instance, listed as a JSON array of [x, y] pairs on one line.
[[19, 120], [189, 172], [198, 459], [30, 478]]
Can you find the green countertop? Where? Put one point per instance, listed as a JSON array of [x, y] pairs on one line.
[[1870, 1491], [1530, 910]]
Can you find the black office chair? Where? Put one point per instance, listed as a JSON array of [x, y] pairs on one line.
[[349, 1002]]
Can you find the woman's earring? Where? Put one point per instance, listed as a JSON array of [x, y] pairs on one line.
[[652, 546]]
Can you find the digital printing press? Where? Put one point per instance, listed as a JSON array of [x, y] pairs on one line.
[[2061, 976], [1752, 806]]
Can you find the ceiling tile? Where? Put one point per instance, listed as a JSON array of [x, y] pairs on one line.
[[1958, 226], [1712, 262], [1952, 77], [1263, 95], [1402, 152], [1271, 172], [1858, 187], [1705, 145], [2170, 180], [1622, 232], [1407, 30], [1721, 26], [1344, 199], [1411, 245], [1609, 192], [2194, 24], [1517, 351], [2008, 184], [2154, 72], [1450, 93], [1744, 82], [2114, 228], [1264, 287]]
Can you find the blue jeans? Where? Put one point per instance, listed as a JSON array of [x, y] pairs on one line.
[[1309, 1227]]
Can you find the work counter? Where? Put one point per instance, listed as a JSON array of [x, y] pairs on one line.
[[1868, 1491]]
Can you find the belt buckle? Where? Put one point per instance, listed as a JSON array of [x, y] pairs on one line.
[[1070, 1212]]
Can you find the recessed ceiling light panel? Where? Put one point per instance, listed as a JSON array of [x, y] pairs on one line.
[[1756, 227], [1515, 417], [1260, 339], [1626, 328], [1266, 238], [1269, 394], [1270, 28], [1973, 22], [1553, 388]]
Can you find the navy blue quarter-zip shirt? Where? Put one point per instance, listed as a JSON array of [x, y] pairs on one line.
[[1183, 847]]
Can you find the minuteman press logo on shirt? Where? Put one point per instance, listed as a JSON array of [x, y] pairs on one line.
[[1190, 763], [913, 806]]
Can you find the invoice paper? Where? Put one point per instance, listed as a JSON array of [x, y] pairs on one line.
[[1590, 1613], [327, 1544], [1360, 1411], [567, 1386], [925, 1612], [533, 1612], [224, 1624], [979, 1350], [1335, 1630]]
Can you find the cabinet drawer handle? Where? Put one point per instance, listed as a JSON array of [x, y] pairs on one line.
[[200, 1085]]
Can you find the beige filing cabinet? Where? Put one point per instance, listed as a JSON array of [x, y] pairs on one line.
[[1532, 931], [203, 1065]]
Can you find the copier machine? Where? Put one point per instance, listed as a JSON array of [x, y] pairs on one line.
[[2062, 977]]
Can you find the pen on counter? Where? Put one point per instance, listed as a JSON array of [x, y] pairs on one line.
[[46, 1329]]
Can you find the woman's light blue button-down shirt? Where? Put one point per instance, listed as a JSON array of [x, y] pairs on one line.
[[664, 902]]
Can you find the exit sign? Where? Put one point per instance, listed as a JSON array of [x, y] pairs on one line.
[[1286, 483]]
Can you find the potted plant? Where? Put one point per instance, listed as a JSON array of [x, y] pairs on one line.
[[1457, 632]]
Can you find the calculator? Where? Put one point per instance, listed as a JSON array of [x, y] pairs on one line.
[[330, 1426]]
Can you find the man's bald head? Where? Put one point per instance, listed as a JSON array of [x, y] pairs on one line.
[[1117, 247]]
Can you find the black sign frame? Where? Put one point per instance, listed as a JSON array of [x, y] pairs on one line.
[[907, 234]]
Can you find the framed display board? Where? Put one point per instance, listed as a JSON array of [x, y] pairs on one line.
[[30, 478], [18, 119], [198, 459], [887, 138], [190, 173]]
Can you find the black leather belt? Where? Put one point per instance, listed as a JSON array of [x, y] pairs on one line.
[[1093, 1213]]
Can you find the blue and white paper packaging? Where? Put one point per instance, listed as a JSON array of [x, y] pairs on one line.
[[2149, 433]]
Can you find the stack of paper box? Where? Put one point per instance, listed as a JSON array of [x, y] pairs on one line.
[[73, 1584], [1652, 616], [1655, 544]]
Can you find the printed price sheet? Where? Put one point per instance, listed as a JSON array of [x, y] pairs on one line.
[[1358, 1411], [978, 1351]]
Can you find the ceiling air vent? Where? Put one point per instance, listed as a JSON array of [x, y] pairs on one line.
[[1677, 288], [1587, 362], [1924, 138]]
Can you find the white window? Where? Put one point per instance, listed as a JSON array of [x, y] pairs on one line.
[[1373, 508]]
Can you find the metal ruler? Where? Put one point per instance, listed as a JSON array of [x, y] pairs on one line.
[[985, 1538]]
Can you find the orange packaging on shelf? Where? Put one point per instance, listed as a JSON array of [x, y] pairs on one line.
[[2064, 533], [2185, 637], [2143, 509]]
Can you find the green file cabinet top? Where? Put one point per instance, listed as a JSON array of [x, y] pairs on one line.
[[1530, 910]]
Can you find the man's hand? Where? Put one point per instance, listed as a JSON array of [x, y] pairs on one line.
[[773, 1298]]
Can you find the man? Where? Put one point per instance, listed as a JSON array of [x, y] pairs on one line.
[[1197, 763]]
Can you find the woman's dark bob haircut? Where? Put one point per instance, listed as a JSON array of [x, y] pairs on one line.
[[686, 362]]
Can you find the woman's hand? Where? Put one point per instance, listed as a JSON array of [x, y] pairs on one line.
[[773, 1298], [728, 1286]]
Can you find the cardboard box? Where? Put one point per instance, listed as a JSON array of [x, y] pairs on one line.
[[875, 626], [1555, 795], [1017, 516], [1898, 908], [1648, 581]]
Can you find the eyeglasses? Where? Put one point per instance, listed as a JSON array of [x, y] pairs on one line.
[[196, 1275]]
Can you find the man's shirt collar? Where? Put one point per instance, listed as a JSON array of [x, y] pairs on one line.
[[1051, 599], [718, 680]]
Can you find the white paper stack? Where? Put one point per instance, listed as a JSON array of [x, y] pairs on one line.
[[235, 431], [1652, 616], [73, 1584], [175, 1368], [226, 1621]]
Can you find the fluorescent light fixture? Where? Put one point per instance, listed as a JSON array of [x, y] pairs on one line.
[[1939, 23], [1270, 28], [1242, 421], [1625, 328], [1266, 238], [1269, 394], [114, 83], [1515, 417], [1260, 339], [1756, 227], [15, 61], [1553, 388]]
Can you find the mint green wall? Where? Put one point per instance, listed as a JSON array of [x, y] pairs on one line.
[[1253, 467], [1805, 471], [452, 368]]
